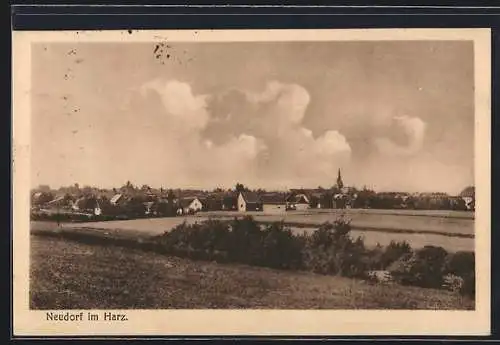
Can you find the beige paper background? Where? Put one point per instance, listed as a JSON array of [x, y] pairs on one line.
[[253, 322]]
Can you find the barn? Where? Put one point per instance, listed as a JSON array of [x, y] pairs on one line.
[[274, 203]]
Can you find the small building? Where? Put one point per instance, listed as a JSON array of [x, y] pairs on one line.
[[340, 201], [150, 208], [41, 198], [249, 201], [117, 199], [61, 202], [189, 206], [298, 202], [229, 202], [273, 203], [469, 196], [316, 200], [87, 205]]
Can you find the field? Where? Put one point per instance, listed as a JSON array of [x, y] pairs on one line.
[[71, 275], [451, 230]]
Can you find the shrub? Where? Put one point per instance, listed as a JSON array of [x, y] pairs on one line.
[[393, 252], [280, 248], [468, 287], [462, 264], [422, 268], [330, 250], [246, 241]]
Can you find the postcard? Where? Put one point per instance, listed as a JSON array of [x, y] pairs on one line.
[[251, 182]]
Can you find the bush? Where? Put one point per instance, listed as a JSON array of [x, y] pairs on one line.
[[468, 287], [422, 268], [393, 252], [330, 250], [246, 241], [462, 264], [280, 248]]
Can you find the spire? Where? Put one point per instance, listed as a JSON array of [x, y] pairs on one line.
[[340, 184]]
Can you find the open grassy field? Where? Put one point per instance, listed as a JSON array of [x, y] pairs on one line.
[[70, 275], [452, 230]]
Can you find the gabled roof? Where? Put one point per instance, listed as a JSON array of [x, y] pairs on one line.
[[274, 198], [301, 199], [86, 203], [250, 197], [185, 202], [116, 198], [56, 200]]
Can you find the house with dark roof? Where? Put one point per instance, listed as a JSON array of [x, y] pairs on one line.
[[62, 201], [273, 203], [249, 201], [298, 202], [87, 204], [189, 205], [117, 199]]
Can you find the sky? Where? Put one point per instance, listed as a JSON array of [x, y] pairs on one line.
[[393, 116]]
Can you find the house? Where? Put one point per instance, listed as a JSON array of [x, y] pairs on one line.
[[117, 199], [469, 196], [298, 202], [340, 201], [189, 205], [273, 203], [62, 201], [150, 208], [249, 201], [229, 202], [315, 199], [41, 198], [87, 205]]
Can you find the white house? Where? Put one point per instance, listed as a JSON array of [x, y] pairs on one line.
[[298, 202], [249, 201], [469, 195], [189, 205]]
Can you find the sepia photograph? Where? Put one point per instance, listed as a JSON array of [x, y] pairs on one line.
[[279, 171]]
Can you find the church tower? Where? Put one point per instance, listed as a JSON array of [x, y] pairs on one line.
[[340, 184]]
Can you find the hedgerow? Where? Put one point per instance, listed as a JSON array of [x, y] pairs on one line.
[[329, 250]]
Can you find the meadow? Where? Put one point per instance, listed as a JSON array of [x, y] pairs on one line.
[[72, 275], [452, 230]]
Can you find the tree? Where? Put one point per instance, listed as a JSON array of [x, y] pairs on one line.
[[240, 188], [44, 188], [44, 198]]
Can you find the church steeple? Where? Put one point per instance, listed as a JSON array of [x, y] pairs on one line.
[[340, 184]]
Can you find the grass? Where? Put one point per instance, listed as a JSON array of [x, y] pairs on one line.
[[67, 274], [453, 230]]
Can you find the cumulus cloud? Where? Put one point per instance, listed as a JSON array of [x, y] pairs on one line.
[[184, 109], [414, 130], [241, 135]]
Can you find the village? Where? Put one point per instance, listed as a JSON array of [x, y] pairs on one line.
[[130, 201]]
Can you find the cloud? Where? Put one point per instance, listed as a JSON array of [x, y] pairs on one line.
[[185, 110], [239, 135], [414, 130]]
